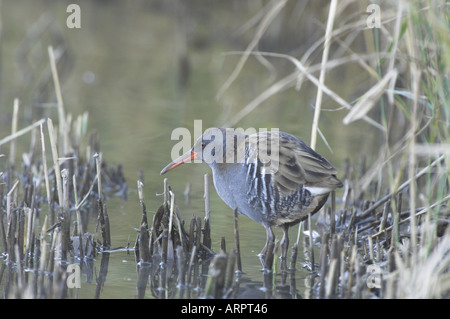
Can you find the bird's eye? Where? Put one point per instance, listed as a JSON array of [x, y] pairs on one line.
[[203, 145]]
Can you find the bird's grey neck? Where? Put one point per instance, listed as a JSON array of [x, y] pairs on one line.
[[219, 167]]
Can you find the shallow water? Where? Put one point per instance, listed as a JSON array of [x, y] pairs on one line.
[[121, 272]]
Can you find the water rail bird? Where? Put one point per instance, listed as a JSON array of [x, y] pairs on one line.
[[271, 177]]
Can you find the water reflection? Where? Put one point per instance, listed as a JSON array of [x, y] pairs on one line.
[[102, 274], [156, 280]]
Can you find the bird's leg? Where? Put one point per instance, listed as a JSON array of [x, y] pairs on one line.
[[284, 242], [269, 238]]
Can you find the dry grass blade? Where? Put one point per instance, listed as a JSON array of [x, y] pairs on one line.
[[393, 52], [432, 149], [318, 106], [61, 114], [295, 78], [307, 72], [21, 132], [262, 28], [275, 88], [80, 204], [370, 98]]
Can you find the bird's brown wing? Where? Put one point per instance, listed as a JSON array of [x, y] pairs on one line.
[[292, 163]]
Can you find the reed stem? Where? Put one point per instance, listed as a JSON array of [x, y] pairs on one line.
[[326, 49]]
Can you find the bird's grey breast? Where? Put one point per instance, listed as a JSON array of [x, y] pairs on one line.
[[224, 180]]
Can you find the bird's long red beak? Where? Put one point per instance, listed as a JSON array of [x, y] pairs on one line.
[[186, 157]]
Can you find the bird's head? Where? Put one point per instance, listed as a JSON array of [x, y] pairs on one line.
[[214, 147]]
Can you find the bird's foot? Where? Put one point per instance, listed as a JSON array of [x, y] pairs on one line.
[[266, 257], [262, 258]]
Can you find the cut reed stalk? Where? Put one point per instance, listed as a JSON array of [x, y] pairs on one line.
[[323, 265], [6, 233], [370, 243], [65, 216], [351, 268], [81, 231], [342, 277], [181, 264], [384, 216], [57, 169], [12, 226], [172, 208], [164, 246], [98, 162], [144, 252], [43, 255], [20, 234], [311, 244], [106, 229], [207, 226], [223, 245], [30, 233], [333, 213], [230, 270], [236, 238], [191, 233], [166, 195], [331, 279], [192, 262], [44, 163], [12, 146], [294, 252], [198, 232], [181, 230], [396, 226]]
